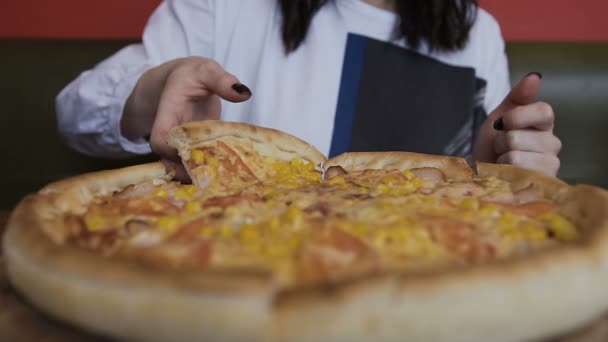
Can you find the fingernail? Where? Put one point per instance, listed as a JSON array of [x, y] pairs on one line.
[[241, 88], [535, 73], [499, 125]]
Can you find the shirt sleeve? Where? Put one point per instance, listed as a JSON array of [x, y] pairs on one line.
[[89, 109]]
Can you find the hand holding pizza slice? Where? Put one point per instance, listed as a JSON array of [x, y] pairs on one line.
[[188, 89]]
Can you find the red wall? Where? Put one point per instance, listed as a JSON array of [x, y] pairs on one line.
[[555, 20], [547, 20], [74, 19]]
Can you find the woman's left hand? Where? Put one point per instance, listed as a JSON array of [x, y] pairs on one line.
[[520, 131]]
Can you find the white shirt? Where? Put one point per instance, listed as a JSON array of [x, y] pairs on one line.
[[296, 93]]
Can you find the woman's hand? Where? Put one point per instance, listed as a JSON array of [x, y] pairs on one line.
[[520, 131], [177, 92]]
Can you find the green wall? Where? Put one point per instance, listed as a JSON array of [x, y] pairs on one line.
[[575, 83], [33, 73]]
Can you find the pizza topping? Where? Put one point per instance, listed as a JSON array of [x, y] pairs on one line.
[[145, 239], [321, 208], [233, 162], [526, 195], [307, 228], [560, 227], [330, 252], [334, 171], [228, 200], [195, 254], [460, 189], [432, 174]]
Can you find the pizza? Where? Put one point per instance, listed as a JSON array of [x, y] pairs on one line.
[[273, 241]]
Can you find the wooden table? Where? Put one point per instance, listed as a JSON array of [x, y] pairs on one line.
[[21, 322]]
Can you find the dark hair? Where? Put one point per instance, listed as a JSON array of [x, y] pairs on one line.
[[442, 24]]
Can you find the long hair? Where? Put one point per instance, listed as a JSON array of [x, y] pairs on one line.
[[442, 24]]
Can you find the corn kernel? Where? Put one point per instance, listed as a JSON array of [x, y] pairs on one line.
[[269, 192], [274, 223], [213, 162], [383, 188], [562, 228], [398, 235], [277, 250], [360, 229], [420, 233], [248, 233], [294, 216], [469, 204], [336, 180], [169, 223], [416, 182], [162, 193], [292, 243], [380, 237], [207, 232], [388, 180], [190, 188], [157, 206], [255, 247], [296, 162], [226, 232], [409, 175], [193, 207], [428, 200], [197, 156], [432, 250], [185, 192], [535, 234], [95, 222], [488, 210]]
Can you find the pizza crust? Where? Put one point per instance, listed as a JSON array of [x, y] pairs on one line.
[[552, 291], [455, 168], [520, 178]]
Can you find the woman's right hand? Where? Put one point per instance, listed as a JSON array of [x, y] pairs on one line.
[[177, 92]]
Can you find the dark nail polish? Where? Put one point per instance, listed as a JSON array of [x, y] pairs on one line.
[[241, 88], [499, 125], [535, 73]]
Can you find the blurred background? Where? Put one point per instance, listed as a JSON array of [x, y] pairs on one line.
[[46, 44]]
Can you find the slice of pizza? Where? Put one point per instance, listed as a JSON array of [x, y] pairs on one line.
[[231, 155]]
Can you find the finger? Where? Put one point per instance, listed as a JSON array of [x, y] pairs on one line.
[[160, 134], [543, 162], [523, 93], [537, 115], [214, 78], [200, 77], [528, 141]]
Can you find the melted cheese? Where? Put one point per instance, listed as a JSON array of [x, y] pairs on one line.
[[361, 218]]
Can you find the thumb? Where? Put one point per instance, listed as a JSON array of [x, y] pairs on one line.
[[523, 93]]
